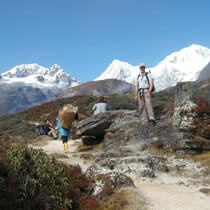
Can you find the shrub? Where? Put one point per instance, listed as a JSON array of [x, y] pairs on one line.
[[31, 180], [41, 181], [201, 121], [202, 106]]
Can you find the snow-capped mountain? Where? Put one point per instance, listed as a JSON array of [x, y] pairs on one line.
[[30, 84], [184, 65], [205, 73], [38, 76], [121, 71]]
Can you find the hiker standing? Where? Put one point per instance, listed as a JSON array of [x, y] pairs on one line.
[[100, 107], [64, 133], [67, 115], [144, 87]]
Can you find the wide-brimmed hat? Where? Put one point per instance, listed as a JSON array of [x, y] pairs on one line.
[[142, 65]]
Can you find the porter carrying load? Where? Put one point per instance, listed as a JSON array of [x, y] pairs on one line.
[[67, 115]]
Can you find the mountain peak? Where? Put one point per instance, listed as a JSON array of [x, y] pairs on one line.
[[56, 66], [117, 70], [192, 54], [116, 61], [183, 65], [36, 75], [196, 46], [119, 63]]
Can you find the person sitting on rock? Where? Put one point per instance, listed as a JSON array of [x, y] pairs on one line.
[[100, 107], [49, 130]]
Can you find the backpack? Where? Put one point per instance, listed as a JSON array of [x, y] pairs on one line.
[[46, 129], [41, 130], [67, 115], [146, 74]]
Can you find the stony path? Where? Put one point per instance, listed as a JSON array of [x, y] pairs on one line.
[[172, 197], [158, 195], [55, 147]]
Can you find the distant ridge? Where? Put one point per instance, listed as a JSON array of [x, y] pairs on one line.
[[99, 88]]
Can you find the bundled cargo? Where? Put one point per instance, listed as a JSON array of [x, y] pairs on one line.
[[67, 115]]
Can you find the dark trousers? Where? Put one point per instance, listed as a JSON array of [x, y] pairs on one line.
[[64, 138]]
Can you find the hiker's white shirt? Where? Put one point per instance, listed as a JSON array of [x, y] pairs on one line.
[[142, 80], [100, 108]]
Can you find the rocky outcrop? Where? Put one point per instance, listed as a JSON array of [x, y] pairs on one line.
[[188, 118], [106, 183], [184, 114], [109, 173], [93, 128], [183, 93], [194, 143], [120, 128]]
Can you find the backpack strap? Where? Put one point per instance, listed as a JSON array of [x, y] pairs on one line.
[[153, 88], [146, 75], [139, 76]]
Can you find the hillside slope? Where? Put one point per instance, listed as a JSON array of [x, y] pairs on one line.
[[99, 88]]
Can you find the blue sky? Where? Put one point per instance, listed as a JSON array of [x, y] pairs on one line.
[[84, 36]]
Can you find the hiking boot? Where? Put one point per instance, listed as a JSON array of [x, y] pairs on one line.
[[152, 122]]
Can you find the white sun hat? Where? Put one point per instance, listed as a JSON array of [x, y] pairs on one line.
[[142, 65]]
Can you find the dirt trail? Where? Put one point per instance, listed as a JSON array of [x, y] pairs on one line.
[[172, 196], [55, 147], [158, 195]]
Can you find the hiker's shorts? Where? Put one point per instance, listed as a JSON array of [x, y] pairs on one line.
[[64, 139]]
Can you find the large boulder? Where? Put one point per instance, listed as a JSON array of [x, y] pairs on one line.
[[95, 125], [94, 128]]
